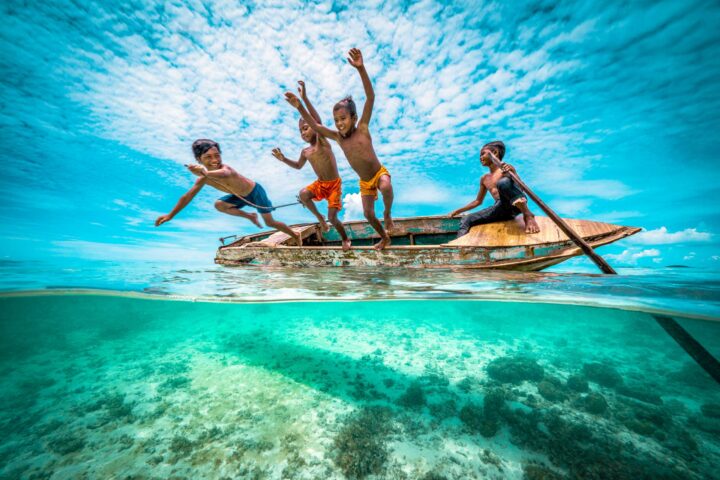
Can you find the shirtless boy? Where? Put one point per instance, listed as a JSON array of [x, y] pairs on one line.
[[241, 190], [322, 160], [354, 139], [509, 199]]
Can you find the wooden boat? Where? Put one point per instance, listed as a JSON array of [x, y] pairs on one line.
[[423, 242]]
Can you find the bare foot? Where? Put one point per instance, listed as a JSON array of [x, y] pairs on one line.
[[346, 244], [389, 224], [384, 242], [324, 226], [531, 226], [254, 218]]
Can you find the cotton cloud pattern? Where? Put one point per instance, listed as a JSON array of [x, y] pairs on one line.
[[609, 111]]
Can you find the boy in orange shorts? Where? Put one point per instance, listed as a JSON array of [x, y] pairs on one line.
[[322, 160], [354, 138]]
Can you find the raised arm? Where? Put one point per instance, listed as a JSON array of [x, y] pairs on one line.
[[321, 129], [478, 201], [304, 97], [356, 60], [183, 202], [292, 163]]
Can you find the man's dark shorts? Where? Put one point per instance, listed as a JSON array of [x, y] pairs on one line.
[[256, 196]]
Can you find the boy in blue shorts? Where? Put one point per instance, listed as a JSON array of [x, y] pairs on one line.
[[241, 190]]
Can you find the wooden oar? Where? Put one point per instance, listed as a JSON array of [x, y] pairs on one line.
[[587, 249]]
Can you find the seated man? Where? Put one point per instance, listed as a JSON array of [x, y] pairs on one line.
[[509, 199]]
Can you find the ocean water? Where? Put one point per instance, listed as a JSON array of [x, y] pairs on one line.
[[192, 373]]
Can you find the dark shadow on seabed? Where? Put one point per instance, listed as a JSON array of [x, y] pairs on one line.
[[555, 422]]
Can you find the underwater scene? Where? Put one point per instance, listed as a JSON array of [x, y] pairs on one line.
[[139, 386]]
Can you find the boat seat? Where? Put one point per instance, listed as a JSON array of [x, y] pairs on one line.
[[511, 233]]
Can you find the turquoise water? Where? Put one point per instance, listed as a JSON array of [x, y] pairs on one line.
[[119, 386]]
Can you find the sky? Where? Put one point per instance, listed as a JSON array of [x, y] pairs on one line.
[[610, 112]]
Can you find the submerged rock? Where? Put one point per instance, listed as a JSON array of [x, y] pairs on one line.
[[593, 403], [577, 383], [551, 390], [644, 395], [515, 370], [536, 471], [602, 374]]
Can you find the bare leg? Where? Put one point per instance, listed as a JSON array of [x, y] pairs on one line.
[[272, 223], [385, 187], [306, 197], [332, 216], [368, 202], [231, 209], [531, 225]]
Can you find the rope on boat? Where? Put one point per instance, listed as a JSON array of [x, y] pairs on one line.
[[702, 357], [222, 239]]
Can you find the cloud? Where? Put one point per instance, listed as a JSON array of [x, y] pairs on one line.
[[352, 206], [631, 256], [661, 236]]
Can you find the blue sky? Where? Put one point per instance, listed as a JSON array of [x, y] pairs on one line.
[[610, 112]]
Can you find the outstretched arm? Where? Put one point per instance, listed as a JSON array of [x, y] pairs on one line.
[[294, 164], [182, 203], [311, 109], [201, 171], [321, 129], [356, 60], [478, 201]]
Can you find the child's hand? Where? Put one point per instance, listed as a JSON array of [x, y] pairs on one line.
[[454, 213], [278, 154], [506, 167], [292, 99], [301, 89], [355, 58], [162, 219]]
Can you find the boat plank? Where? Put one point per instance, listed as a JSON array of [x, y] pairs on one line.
[[280, 238], [512, 233]]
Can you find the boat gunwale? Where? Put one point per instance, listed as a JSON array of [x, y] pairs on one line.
[[620, 232]]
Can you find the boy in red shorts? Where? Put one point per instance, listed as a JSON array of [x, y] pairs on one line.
[[322, 160]]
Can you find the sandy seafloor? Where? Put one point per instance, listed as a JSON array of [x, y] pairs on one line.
[[112, 386]]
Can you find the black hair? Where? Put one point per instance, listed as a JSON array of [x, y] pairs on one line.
[[348, 104], [202, 145], [498, 146]]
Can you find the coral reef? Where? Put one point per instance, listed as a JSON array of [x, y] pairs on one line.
[[361, 443], [515, 370], [602, 374]]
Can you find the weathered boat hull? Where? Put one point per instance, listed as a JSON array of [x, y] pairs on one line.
[[502, 245]]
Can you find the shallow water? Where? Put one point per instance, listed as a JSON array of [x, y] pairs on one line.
[[111, 386], [688, 291]]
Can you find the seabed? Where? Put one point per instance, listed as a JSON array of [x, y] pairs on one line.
[[105, 386]]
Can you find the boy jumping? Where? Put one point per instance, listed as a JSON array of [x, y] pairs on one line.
[[241, 190], [322, 160], [509, 199], [356, 142]]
